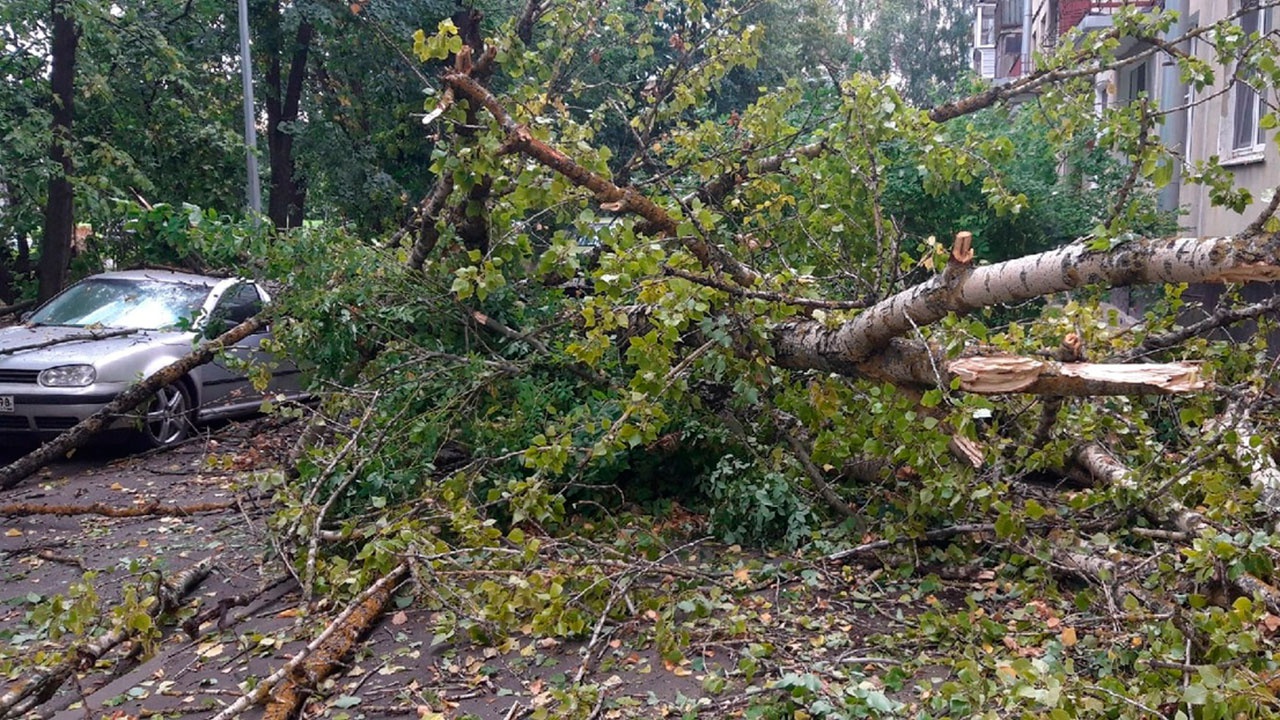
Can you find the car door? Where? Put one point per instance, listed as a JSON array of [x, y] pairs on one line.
[[225, 384]]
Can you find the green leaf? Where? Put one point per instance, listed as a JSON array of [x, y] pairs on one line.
[[347, 701]]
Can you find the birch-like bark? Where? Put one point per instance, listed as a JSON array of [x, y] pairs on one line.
[[814, 345]]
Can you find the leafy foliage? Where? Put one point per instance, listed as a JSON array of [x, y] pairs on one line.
[[544, 420]]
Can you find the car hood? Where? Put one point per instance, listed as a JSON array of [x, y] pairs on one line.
[[43, 346]]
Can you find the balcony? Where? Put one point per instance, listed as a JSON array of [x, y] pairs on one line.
[[1096, 15]]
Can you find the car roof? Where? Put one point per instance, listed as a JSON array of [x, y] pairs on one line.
[[159, 276]]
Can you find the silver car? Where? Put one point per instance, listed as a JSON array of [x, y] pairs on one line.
[[89, 343]]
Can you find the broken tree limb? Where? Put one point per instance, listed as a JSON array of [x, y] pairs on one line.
[[813, 303], [1105, 469], [153, 508], [16, 308], [959, 289], [423, 222], [931, 536], [14, 349], [323, 651], [1225, 315], [997, 375], [816, 345], [1252, 454], [1084, 64], [610, 196], [909, 363], [1102, 467], [34, 691], [791, 428], [16, 471], [1071, 350]]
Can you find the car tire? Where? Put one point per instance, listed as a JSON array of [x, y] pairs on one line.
[[167, 417]]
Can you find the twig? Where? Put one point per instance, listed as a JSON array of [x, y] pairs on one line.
[[930, 536]]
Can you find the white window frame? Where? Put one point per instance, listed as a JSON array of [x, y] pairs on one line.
[[1243, 139], [988, 10], [1132, 75]]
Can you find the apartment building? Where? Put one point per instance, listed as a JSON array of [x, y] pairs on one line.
[[1222, 120]]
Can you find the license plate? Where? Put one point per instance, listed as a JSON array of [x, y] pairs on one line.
[[6, 403]]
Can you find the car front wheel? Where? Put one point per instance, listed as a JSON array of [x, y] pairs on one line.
[[168, 416]]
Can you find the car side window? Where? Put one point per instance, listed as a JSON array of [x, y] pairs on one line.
[[238, 304]]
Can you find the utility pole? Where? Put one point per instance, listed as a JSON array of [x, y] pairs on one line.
[[250, 126]]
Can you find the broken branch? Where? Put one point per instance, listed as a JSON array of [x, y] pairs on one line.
[[39, 688], [153, 508], [338, 637]]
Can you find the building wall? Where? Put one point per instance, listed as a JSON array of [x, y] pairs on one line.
[[1209, 133], [1198, 133]]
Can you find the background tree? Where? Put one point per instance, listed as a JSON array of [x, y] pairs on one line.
[[59, 222], [922, 47]]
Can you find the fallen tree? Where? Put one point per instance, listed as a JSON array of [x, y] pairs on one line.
[[750, 332]]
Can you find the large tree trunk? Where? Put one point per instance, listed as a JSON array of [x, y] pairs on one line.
[[283, 100], [59, 220], [962, 289]]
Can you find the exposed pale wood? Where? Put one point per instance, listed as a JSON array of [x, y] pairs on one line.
[[967, 450], [1002, 374], [340, 627], [914, 364]]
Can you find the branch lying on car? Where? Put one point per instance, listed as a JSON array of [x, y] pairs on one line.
[[68, 339], [18, 470]]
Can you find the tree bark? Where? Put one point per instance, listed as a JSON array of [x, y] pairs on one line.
[[283, 100], [341, 633], [810, 344], [59, 217], [18, 470]]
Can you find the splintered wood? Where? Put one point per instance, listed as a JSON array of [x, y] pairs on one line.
[[1003, 374]]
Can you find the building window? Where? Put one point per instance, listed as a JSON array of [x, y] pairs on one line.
[[1247, 104], [985, 36], [1137, 82]]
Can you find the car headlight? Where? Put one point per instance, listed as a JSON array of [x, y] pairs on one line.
[[68, 376]]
